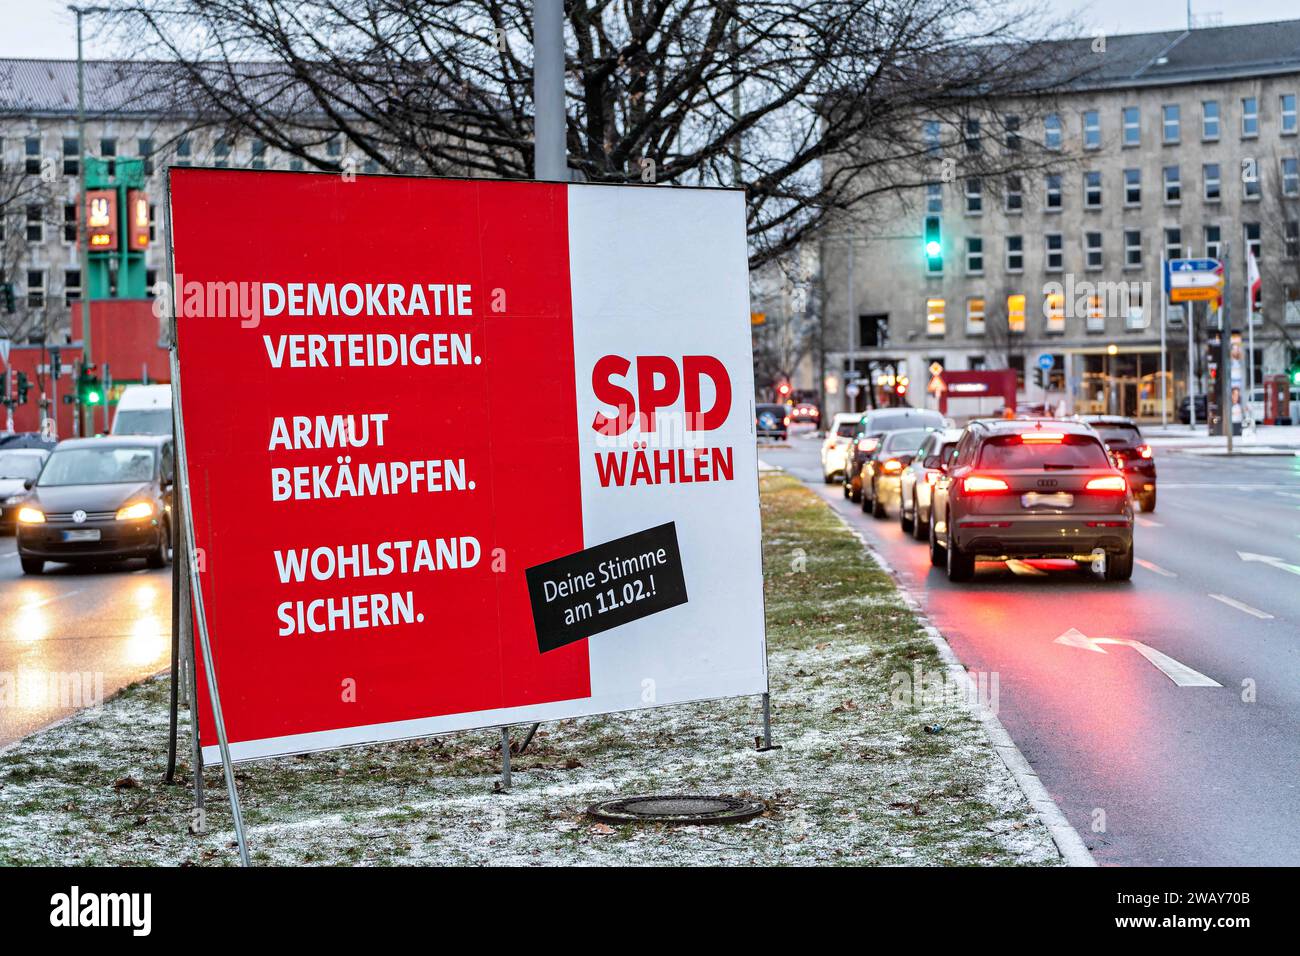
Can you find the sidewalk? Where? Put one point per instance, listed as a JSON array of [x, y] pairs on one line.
[[1277, 440]]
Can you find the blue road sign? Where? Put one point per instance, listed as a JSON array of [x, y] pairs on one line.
[[1046, 362]]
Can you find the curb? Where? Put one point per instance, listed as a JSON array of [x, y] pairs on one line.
[[1067, 839]]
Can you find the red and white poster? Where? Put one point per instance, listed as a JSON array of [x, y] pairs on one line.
[[464, 453]]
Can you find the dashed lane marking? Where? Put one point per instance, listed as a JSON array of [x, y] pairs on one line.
[[1253, 611]]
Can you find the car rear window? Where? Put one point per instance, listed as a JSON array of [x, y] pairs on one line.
[[847, 429], [1119, 434], [1072, 451], [909, 440]]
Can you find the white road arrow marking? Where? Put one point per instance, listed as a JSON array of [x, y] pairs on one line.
[[1179, 673], [1269, 559]]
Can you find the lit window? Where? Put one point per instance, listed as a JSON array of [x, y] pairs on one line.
[[1096, 317], [1054, 312], [1016, 314], [934, 324], [974, 316]]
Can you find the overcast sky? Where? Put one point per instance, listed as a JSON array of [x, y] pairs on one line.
[[44, 28]]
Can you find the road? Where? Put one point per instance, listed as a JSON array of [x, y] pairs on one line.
[[1149, 772], [69, 634]]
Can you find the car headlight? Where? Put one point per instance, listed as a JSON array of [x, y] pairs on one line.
[[14, 500], [133, 512], [31, 516]]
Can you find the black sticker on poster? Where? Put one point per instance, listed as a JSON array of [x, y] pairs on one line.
[[605, 586]]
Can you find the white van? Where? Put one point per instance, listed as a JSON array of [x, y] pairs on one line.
[[144, 410]]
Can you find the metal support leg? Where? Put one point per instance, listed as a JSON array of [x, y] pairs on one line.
[[764, 743], [504, 784], [176, 671], [528, 737]]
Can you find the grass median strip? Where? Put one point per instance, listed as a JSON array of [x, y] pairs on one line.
[[865, 774]]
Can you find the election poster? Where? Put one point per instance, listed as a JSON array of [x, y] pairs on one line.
[[464, 453]]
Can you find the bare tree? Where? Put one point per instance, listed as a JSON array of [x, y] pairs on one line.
[[28, 201], [1279, 213], [814, 106]]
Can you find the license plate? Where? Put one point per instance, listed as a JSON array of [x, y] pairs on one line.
[[1059, 499], [85, 534]]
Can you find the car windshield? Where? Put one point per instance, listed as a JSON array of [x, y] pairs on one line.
[[19, 466], [143, 421], [908, 440], [847, 429], [1119, 434], [98, 466], [1070, 451]]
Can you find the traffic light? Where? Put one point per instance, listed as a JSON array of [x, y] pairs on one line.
[[23, 387], [933, 244], [88, 387], [7, 295]]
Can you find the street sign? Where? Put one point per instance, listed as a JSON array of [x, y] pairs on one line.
[[485, 462], [1046, 362], [936, 368], [853, 390], [1194, 280], [936, 385]]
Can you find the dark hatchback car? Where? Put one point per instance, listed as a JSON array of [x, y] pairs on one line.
[[1132, 455], [882, 471], [771, 421], [100, 499]]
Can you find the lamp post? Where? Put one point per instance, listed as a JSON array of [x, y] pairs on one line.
[[83, 251]]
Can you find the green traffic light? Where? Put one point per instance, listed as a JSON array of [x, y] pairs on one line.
[[932, 249], [92, 398]]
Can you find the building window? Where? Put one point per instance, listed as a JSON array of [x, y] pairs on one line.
[[296, 164], [1055, 252], [1291, 239], [974, 316], [930, 134], [1052, 130], [1210, 173], [1249, 117], [1213, 241], [1015, 253], [974, 255], [71, 156], [1286, 113], [151, 282], [1290, 176], [1210, 120], [1011, 126], [184, 150], [1253, 241], [1092, 250], [153, 222], [1054, 312], [35, 288], [1092, 190], [1014, 195], [108, 146], [1016, 313], [934, 324], [334, 146], [1292, 294], [221, 150], [873, 330], [974, 196], [972, 136], [1250, 179], [1096, 316], [1171, 122], [1092, 130], [1132, 187], [1053, 201], [1135, 319], [32, 149], [145, 148], [1132, 126], [70, 222], [1132, 249], [1173, 243], [35, 223], [1173, 185], [934, 198], [71, 285], [258, 152]]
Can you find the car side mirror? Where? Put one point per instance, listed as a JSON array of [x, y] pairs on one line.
[[932, 462], [27, 484]]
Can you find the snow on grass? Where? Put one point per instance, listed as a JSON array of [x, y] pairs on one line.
[[858, 780]]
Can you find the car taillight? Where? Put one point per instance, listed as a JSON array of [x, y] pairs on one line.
[[976, 484], [931, 477], [1042, 438], [1144, 451], [1115, 483], [892, 465], [787, 420]]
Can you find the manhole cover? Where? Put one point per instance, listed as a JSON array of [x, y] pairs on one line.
[[658, 808]]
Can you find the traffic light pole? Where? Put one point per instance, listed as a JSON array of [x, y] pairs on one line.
[[1225, 356]]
